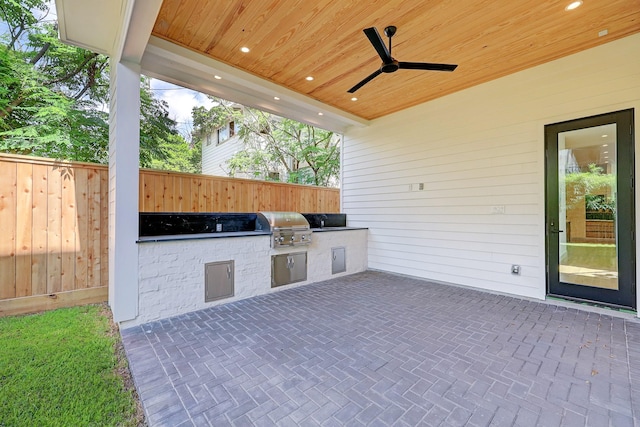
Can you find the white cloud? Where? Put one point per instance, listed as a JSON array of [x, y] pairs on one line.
[[181, 101]]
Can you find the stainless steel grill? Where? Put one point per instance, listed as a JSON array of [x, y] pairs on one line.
[[287, 228]]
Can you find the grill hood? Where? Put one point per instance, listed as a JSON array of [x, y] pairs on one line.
[[287, 228], [284, 221]]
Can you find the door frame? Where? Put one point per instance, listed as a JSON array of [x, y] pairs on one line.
[[625, 296]]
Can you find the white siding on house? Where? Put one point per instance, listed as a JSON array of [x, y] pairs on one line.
[[215, 156], [475, 152]]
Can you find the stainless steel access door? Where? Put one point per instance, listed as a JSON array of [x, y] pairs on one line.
[[288, 268]]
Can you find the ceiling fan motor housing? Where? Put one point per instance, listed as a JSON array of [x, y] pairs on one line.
[[390, 67]]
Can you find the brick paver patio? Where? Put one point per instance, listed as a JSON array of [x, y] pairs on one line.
[[377, 349]]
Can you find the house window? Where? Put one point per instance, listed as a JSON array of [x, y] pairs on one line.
[[208, 139], [273, 176], [226, 132]]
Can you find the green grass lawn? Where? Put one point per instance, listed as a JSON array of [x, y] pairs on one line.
[[63, 368], [590, 255]]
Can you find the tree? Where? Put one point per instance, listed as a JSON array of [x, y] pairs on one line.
[[54, 97], [180, 156], [50, 91], [307, 154]]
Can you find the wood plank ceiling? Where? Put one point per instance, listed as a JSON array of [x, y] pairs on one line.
[[292, 39]]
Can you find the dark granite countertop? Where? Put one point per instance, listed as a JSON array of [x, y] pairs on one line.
[[320, 230], [200, 236]]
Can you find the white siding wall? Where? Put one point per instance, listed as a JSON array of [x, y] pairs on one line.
[[475, 151], [214, 157]]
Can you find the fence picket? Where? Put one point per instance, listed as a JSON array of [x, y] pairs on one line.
[[24, 228]]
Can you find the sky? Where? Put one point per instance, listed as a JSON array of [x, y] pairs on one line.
[[181, 101]]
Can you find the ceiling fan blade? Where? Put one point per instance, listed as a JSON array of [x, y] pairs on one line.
[[375, 39], [426, 66], [365, 81]]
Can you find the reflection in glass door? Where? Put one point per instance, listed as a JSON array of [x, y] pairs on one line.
[[590, 209], [587, 207]]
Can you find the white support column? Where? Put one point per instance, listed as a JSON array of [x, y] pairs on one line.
[[124, 149]]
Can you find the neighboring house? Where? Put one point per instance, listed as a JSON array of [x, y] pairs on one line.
[[222, 144], [218, 147]]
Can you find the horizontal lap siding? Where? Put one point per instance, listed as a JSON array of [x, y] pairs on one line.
[[475, 150], [215, 156]]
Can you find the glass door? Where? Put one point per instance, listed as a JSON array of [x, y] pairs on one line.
[[590, 209]]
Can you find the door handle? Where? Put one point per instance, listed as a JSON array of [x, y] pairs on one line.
[[554, 230]]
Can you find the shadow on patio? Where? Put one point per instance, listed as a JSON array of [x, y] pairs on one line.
[[378, 349]]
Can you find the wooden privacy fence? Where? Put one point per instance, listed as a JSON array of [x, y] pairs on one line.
[[54, 222], [53, 234], [176, 192]]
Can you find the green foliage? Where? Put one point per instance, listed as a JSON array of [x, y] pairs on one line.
[[53, 97], [309, 155], [179, 156], [51, 92], [206, 121], [592, 182], [59, 369], [599, 203]]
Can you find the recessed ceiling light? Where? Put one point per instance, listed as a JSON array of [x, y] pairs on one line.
[[276, 98], [309, 78], [606, 157], [573, 5], [605, 152], [321, 114], [244, 49], [605, 135], [217, 77], [605, 145], [354, 99]]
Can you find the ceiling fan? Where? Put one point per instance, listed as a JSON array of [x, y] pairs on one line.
[[390, 64]]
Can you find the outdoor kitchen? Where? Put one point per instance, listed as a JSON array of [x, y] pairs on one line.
[[190, 261]]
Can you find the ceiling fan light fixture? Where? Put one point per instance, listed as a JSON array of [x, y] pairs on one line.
[[573, 5]]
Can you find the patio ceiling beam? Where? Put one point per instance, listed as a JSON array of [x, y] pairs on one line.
[[143, 17], [169, 62]]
